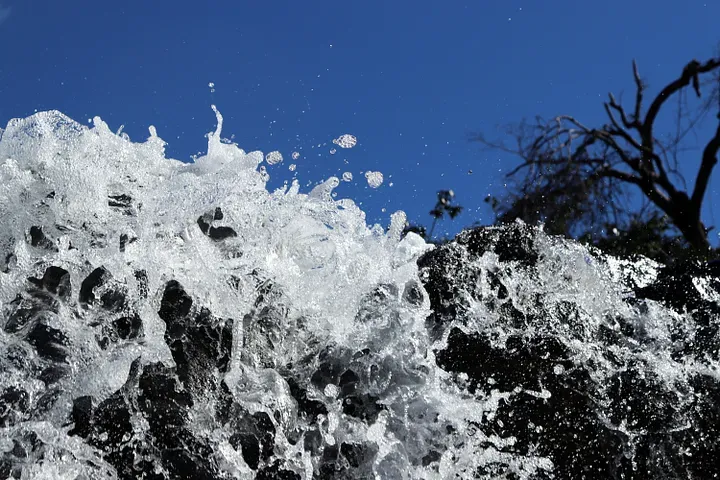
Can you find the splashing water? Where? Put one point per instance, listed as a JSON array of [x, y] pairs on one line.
[[345, 141], [374, 179], [122, 217], [347, 176], [273, 158], [179, 320]]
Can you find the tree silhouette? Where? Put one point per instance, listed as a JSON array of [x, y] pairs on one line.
[[580, 180]]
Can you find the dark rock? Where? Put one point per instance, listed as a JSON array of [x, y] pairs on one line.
[[307, 407], [55, 280], [128, 328], [14, 403], [40, 239], [275, 472], [97, 278], [217, 233], [121, 200], [576, 422], [49, 342]]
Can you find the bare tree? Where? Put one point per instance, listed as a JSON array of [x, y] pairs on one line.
[[573, 176]]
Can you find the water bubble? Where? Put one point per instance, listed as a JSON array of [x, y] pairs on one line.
[[332, 151], [331, 390], [347, 177], [292, 167], [374, 179], [273, 157], [345, 141], [295, 155]]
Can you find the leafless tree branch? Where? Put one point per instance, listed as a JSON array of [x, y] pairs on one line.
[[564, 160]]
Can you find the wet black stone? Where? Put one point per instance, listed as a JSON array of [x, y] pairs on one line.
[[175, 304], [511, 242], [163, 396], [307, 407], [53, 373], [46, 401], [6, 262], [199, 343], [328, 372], [40, 239], [362, 406], [113, 300], [216, 233], [55, 280], [675, 288], [353, 453], [348, 383], [221, 233], [218, 215], [204, 224], [82, 412], [49, 342], [27, 311], [275, 472], [6, 469], [572, 427], [97, 278], [121, 200], [313, 441], [14, 403], [128, 327], [431, 457]]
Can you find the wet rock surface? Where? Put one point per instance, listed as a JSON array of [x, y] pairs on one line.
[[631, 424], [605, 412]]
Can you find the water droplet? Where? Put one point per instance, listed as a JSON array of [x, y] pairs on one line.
[[374, 179], [295, 155], [347, 177], [292, 167], [332, 151], [273, 157], [345, 141]]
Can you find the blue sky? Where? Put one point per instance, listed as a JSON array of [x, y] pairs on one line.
[[411, 79]]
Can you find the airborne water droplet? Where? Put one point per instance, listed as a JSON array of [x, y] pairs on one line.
[[345, 141], [273, 157], [374, 179], [347, 177], [295, 155]]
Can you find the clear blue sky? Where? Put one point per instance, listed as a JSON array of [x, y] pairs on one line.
[[411, 79]]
